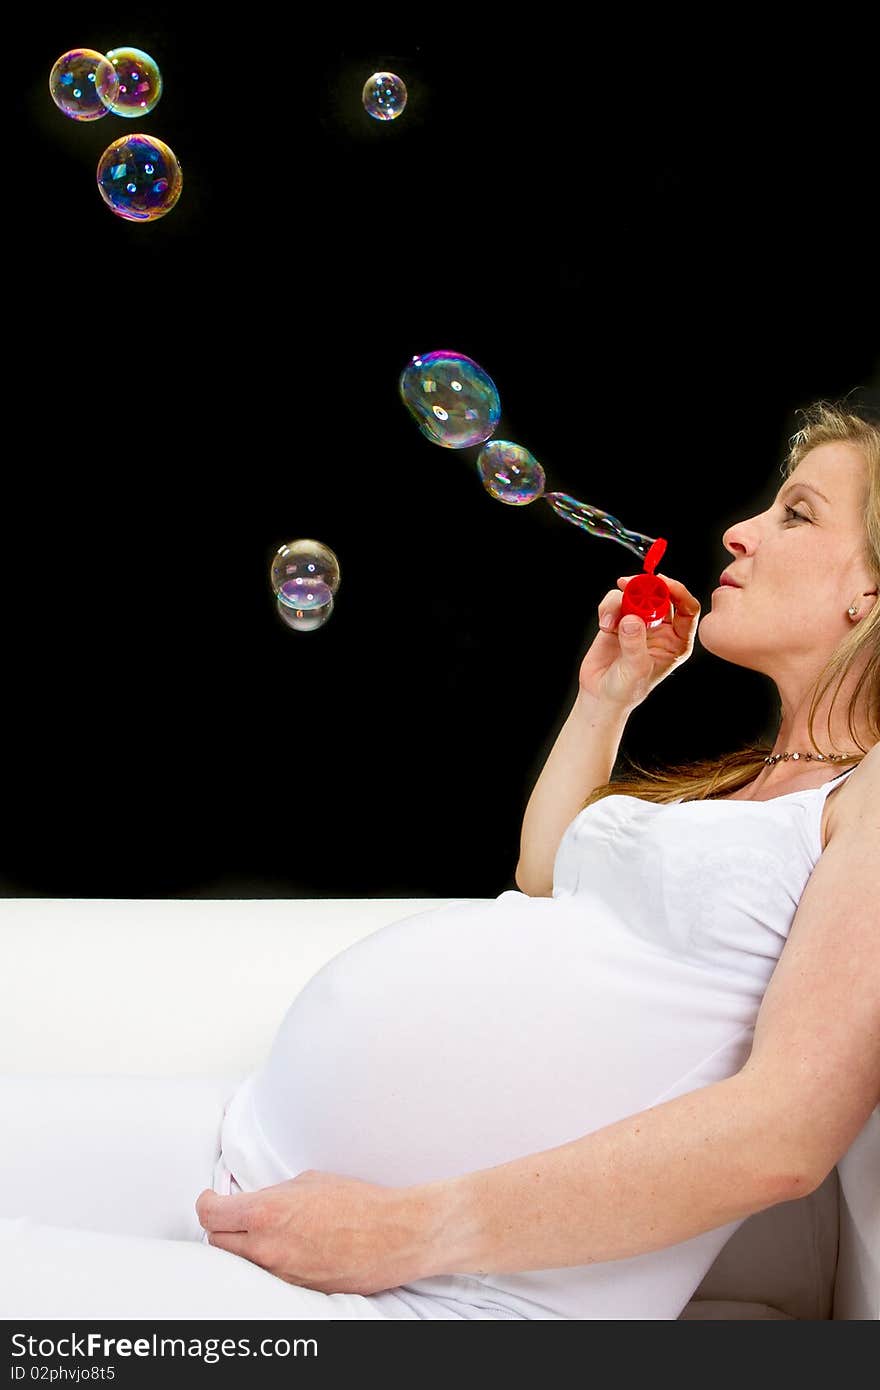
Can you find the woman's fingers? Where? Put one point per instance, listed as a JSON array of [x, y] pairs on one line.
[[684, 599], [609, 609]]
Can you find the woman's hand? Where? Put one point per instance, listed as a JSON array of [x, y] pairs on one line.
[[324, 1231], [622, 668]]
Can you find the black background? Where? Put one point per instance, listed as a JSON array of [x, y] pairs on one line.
[[659, 240]]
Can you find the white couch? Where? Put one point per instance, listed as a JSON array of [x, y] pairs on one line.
[[178, 999]]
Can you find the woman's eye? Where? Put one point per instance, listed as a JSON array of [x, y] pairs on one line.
[[792, 513]]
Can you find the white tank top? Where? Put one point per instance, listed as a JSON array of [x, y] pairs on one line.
[[466, 1036]]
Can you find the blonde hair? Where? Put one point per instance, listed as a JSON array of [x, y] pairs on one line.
[[825, 423]]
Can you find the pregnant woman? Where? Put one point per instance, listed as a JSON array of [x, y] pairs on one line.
[[562, 1103]]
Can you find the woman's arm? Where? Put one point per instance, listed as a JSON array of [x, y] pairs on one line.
[[651, 1180], [581, 759], [615, 676]]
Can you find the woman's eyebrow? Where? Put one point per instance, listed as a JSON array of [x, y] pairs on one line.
[[793, 487]]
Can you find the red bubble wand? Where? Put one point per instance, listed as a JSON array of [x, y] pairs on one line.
[[646, 595]]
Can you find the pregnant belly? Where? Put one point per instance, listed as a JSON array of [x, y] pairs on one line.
[[465, 1036]]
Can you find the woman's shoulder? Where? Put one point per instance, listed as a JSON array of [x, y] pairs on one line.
[[857, 791]]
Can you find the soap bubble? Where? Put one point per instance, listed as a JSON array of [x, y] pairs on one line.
[[137, 86], [300, 619], [76, 80], [454, 401], [601, 524], [139, 178], [304, 575], [510, 473], [384, 96]]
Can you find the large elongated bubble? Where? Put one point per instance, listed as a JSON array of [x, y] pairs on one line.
[[599, 523], [455, 403]]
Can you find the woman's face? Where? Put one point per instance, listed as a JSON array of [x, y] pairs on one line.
[[797, 576]]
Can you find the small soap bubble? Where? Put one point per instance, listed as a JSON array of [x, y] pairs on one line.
[[455, 403], [304, 576], [137, 83], [76, 80], [303, 619], [384, 96], [510, 473], [139, 178]]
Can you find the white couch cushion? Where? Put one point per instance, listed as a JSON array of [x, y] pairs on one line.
[[118, 1154], [166, 987]]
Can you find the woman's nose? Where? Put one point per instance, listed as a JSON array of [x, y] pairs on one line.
[[739, 538]]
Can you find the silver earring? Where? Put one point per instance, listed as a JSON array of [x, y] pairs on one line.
[[852, 610]]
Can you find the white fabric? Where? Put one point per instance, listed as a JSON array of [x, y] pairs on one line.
[[135, 1152], [54, 1272], [115, 1154], [459, 1038], [111, 1230]]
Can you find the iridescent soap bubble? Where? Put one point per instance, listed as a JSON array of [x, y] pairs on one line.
[[76, 81], [454, 401], [304, 575], [137, 86], [301, 619], [384, 96], [599, 523], [510, 473], [139, 178]]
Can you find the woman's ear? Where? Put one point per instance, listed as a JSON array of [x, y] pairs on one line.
[[862, 605]]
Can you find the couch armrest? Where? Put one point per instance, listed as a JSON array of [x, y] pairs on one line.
[[166, 987]]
